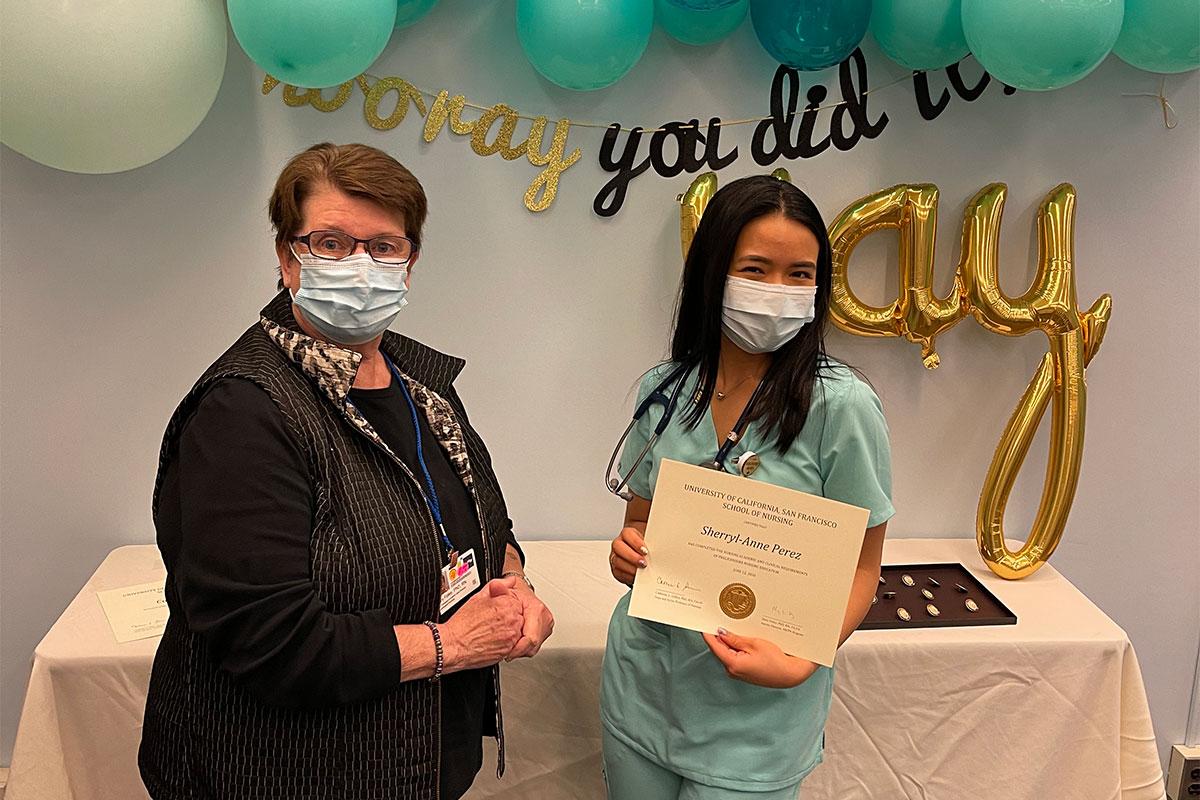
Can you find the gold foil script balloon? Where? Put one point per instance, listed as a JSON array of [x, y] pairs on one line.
[[1050, 305], [691, 207], [917, 313]]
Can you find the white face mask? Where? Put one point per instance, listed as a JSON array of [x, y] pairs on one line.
[[350, 301], [763, 317]]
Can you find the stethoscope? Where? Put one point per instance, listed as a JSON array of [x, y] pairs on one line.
[[747, 463]]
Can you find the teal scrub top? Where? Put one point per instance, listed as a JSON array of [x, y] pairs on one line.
[[663, 692]]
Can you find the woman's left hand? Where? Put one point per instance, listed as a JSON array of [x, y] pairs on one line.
[[758, 661], [539, 623]]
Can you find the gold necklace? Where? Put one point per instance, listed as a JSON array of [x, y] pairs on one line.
[[722, 395]]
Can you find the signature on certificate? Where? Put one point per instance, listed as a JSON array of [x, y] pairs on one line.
[[783, 612], [679, 586]]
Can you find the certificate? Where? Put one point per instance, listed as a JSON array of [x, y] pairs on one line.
[[135, 612], [751, 557]]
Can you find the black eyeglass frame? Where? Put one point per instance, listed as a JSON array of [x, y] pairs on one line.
[[366, 246]]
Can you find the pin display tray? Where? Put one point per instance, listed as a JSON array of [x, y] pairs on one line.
[[950, 601]]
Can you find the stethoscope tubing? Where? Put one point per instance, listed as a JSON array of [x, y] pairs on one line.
[[618, 485]]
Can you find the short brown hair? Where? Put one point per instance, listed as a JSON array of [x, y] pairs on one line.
[[356, 169]]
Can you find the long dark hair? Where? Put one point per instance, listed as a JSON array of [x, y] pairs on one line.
[[795, 368]]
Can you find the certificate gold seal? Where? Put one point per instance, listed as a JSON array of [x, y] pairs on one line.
[[737, 601]]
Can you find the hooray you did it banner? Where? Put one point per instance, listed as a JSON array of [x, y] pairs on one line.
[[789, 132]]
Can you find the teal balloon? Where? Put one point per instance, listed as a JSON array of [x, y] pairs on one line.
[[693, 22], [1040, 45], [810, 34], [409, 11], [920, 34], [313, 43], [584, 44], [1160, 35]]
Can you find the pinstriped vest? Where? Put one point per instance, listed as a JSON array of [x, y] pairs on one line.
[[373, 545]]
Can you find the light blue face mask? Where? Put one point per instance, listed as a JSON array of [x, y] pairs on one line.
[[350, 301]]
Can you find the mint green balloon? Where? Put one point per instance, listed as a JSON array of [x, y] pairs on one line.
[[1040, 45], [409, 11], [313, 43], [98, 88], [584, 44], [920, 34], [1160, 35], [700, 25]]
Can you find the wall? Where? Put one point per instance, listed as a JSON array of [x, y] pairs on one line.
[[116, 291]]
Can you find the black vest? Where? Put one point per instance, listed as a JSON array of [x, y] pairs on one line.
[[373, 545]]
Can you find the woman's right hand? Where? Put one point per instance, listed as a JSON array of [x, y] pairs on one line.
[[485, 629], [628, 554]]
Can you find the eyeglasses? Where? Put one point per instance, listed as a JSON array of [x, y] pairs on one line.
[[390, 251]]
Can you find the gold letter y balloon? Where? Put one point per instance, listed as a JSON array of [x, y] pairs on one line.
[[1050, 306]]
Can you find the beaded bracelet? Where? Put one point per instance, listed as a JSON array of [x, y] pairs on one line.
[[440, 660]]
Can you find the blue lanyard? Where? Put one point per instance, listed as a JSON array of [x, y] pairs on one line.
[[431, 497]]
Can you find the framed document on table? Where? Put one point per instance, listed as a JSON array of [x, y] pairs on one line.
[[754, 558]]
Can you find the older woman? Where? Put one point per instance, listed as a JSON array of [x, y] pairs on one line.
[[342, 575]]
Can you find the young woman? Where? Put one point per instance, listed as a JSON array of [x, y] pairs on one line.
[[689, 716]]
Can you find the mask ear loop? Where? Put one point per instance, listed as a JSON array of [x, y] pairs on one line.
[[295, 255]]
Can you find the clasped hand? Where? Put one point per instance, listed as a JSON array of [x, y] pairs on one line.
[[503, 621]]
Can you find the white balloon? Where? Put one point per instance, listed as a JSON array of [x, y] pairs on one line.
[[102, 86]]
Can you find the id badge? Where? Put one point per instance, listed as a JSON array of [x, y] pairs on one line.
[[459, 580]]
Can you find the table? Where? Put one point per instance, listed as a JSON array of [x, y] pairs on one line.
[[1052, 707]]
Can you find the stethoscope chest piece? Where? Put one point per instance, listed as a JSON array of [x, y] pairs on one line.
[[747, 463]]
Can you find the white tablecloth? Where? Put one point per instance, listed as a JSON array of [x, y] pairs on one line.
[[1052, 708]]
